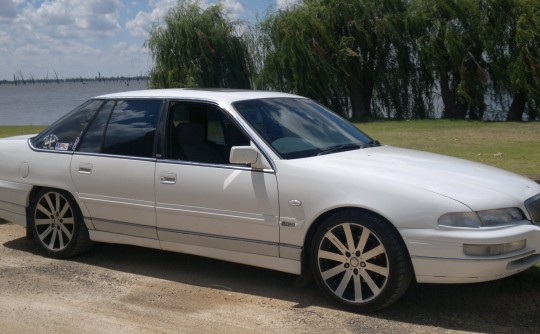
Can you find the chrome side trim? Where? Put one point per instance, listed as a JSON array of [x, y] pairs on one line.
[[269, 262], [116, 200], [113, 156], [202, 164], [246, 217], [242, 245], [124, 228], [114, 238], [221, 242]]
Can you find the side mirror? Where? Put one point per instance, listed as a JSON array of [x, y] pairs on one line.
[[243, 155]]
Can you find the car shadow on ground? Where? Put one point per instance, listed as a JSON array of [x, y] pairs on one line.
[[507, 305]]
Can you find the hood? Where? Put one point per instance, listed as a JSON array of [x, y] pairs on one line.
[[478, 186]]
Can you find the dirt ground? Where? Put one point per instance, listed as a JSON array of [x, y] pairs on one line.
[[124, 289]]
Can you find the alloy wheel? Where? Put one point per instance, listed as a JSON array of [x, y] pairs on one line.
[[353, 263]]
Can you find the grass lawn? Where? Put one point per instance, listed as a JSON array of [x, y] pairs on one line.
[[8, 131], [511, 146]]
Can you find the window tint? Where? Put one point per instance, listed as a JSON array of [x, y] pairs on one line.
[[201, 133], [93, 138], [65, 133], [124, 128], [299, 127]]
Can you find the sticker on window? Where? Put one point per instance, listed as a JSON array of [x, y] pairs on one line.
[[61, 146], [49, 142], [76, 142]]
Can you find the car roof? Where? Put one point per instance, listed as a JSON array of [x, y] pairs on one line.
[[215, 95]]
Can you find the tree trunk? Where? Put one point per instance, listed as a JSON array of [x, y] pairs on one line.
[[517, 107], [452, 107], [360, 95]]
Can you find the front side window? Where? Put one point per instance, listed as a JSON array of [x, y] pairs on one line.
[[299, 127], [125, 128], [200, 132], [65, 133]]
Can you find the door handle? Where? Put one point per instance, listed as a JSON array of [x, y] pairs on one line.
[[167, 178], [85, 168]]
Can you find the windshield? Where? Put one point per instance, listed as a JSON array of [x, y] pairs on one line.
[[299, 127]]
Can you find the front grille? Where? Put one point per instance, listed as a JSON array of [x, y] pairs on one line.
[[533, 206]]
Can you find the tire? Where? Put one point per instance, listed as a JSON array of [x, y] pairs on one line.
[[360, 261], [57, 224]]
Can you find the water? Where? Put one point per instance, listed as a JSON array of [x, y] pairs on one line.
[[44, 103]]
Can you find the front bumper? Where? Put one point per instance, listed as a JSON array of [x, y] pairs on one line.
[[438, 257]]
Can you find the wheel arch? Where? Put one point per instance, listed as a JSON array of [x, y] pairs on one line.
[[31, 197], [78, 240], [305, 266]]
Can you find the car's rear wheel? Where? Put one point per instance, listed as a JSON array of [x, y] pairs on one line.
[[57, 224], [360, 261]]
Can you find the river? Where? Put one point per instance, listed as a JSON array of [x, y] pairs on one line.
[[44, 103]]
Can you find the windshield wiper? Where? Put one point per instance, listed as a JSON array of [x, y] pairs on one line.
[[348, 147], [372, 143], [340, 148]]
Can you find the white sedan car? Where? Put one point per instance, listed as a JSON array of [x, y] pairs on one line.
[[270, 180]]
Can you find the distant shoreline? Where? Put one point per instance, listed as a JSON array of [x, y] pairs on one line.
[[19, 81]]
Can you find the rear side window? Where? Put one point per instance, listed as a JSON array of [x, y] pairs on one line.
[[65, 133], [125, 127]]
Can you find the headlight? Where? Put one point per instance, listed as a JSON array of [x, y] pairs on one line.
[[486, 218]]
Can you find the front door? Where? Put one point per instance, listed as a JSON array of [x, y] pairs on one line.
[[203, 201]]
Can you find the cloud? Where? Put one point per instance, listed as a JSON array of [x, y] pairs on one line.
[[5, 39], [8, 9], [142, 23], [81, 37], [71, 18], [73, 37], [284, 4], [233, 9]]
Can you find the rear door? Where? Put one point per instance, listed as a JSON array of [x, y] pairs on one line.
[[114, 167]]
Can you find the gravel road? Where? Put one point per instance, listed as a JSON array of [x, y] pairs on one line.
[[124, 289]]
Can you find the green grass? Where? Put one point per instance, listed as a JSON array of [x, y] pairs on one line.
[[511, 146], [8, 131]]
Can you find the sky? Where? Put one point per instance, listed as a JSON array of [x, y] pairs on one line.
[[81, 38]]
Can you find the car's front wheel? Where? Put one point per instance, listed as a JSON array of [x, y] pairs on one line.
[[359, 261], [57, 224]]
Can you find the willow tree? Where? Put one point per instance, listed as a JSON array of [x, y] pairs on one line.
[[198, 47], [451, 49], [511, 33], [297, 57], [346, 52], [525, 69]]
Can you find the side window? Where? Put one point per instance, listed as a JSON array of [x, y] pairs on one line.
[[93, 138], [201, 133], [124, 128], [65, 133]]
